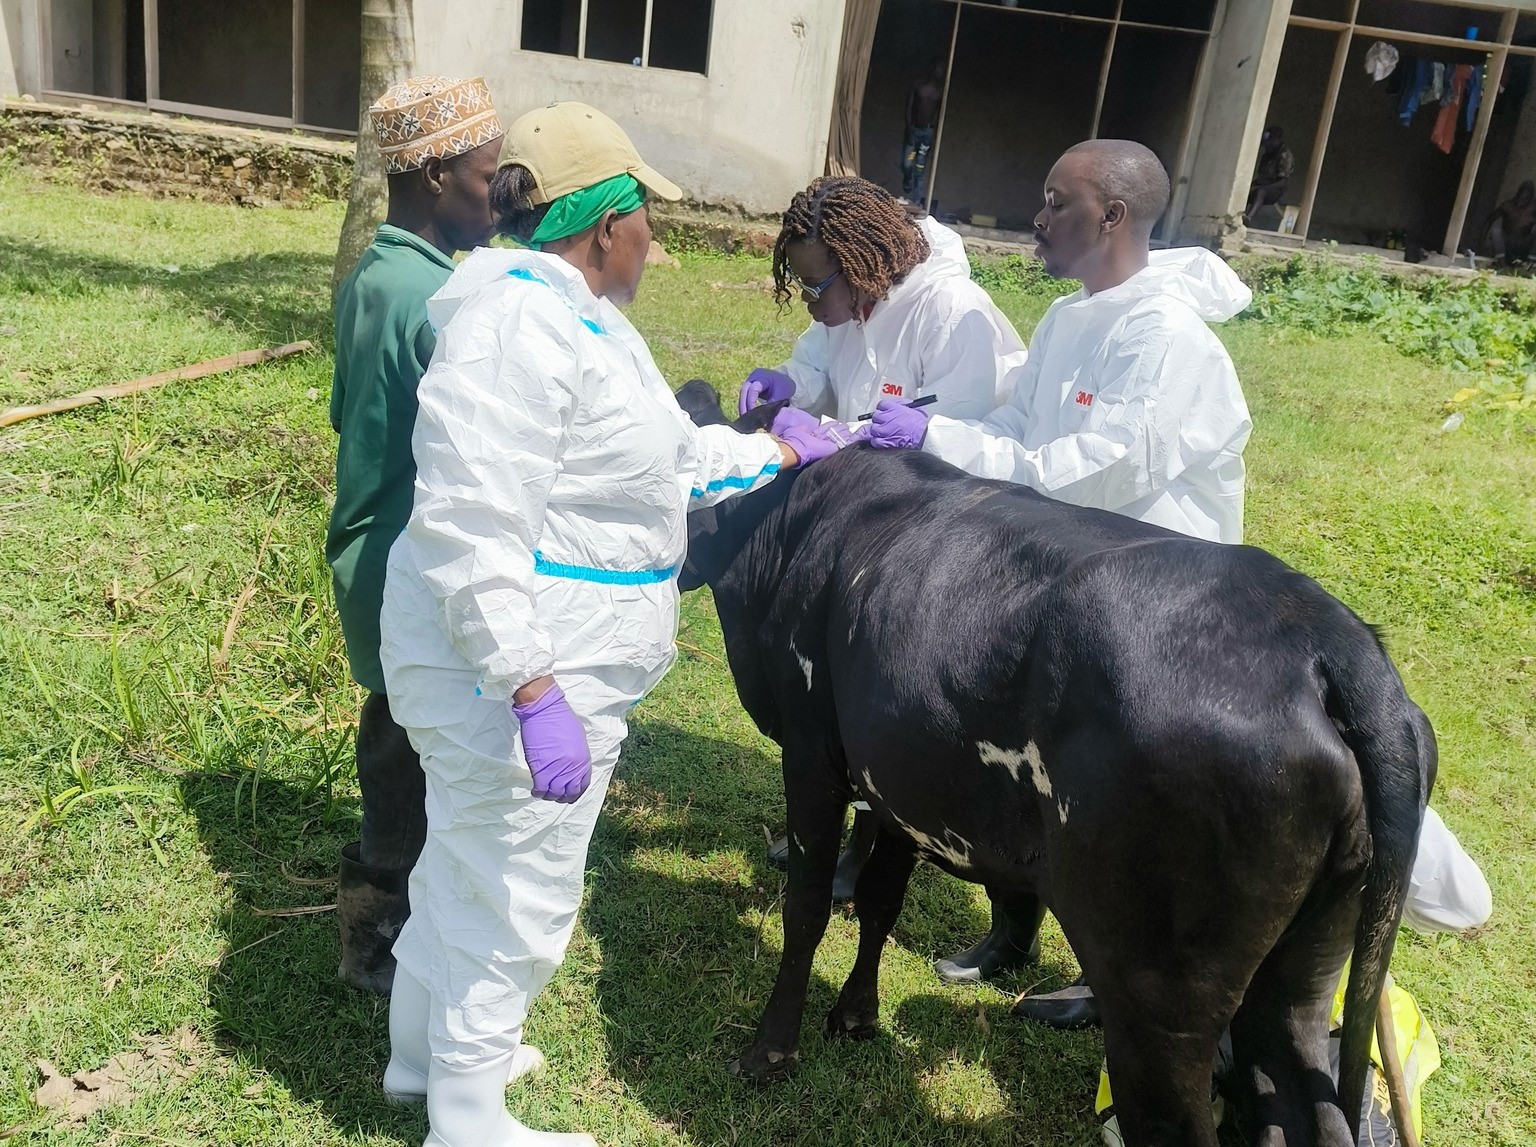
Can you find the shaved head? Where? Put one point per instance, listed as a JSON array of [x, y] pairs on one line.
[[1124, 170]]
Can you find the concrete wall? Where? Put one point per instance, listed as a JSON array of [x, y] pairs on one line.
[[1247, 53], [18, 47], [748, 135]]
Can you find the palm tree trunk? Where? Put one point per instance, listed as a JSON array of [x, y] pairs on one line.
[[388, 56]]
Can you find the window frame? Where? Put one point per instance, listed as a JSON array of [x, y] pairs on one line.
[[645, 41]]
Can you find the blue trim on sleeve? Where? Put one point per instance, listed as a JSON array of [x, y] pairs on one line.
[[529, 277], [732, 482], [544, 566]]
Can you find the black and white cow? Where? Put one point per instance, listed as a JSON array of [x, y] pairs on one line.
[[1200, 761]]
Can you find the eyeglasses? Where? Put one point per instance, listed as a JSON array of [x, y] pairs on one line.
[[811, 291]]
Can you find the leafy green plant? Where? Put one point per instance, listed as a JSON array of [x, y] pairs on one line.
[[1478, 329], [1016, 273]]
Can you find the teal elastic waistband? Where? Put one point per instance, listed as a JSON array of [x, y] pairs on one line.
[[543, 565]]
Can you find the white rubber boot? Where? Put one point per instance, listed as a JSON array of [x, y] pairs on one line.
[[405, 1079], [467, 1108]]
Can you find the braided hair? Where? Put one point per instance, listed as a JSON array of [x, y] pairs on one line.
[[876, 243], [512, 204]]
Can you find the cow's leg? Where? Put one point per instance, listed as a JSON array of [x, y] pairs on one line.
[[878, 898], [816, 806], [1280, 1035], [1160, 1071]]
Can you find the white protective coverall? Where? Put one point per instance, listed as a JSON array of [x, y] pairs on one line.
[[554, 473], [1447, 892], [1128, 403], [935, 333]]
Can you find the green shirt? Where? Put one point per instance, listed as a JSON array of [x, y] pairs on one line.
[[383, 345]]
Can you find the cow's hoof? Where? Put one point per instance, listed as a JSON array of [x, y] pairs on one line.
[[763, 1066], [845, 1023]]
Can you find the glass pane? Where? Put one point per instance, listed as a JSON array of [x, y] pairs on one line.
[[332, 54], [234, 56], [1101, 8], [98, 48], [1323, 9], [1171, 13], [551, 26], [615, 30], [1434, 19], [680, 35]]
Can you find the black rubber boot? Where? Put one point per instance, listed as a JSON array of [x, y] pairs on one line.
[[371, 906], [1069, 1009], [1014, 942], [850, 862], [778, 853]]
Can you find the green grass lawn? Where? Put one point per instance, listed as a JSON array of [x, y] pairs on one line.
[[175, 763]]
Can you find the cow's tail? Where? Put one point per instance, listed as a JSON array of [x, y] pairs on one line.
[[1394, 750]]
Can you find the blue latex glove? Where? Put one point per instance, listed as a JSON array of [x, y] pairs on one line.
[[555, 747], [764, 386], [897, 426], [811, 438]]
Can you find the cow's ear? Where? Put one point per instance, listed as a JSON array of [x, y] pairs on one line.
[[759, 417], [701, 402]]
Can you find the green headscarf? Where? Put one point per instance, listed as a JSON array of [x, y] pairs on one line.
[[574, 213]]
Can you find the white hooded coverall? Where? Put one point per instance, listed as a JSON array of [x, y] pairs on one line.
[[554, 473], [1128, 403], [937, 332]]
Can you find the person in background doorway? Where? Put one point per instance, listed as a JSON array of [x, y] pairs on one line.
[[1272, 175], [439, 138], [923, 103], [1512, 226]]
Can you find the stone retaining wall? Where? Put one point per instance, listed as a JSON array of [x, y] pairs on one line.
[[163, 156]]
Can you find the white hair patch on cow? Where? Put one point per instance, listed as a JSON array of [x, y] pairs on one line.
[[1061, 809], [805, 664], [953, 847], [1012, 759], [869, 785], [992, 754], [795, 840]]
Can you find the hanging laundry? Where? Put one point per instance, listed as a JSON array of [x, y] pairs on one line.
[[1474, 94], [1444, 135], [1436, 84], [1415, 80], [1380, 60]]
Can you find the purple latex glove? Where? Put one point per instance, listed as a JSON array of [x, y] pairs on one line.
[[555, 747], [897, 426], [764, 386], [811, 438]]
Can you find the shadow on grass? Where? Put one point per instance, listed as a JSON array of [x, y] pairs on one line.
[[281, 1008], [683, 980], [275, 298]]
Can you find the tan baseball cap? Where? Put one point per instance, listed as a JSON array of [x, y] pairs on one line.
[[568, 146]]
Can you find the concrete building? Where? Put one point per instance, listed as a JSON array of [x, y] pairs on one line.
[[736, 98]]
